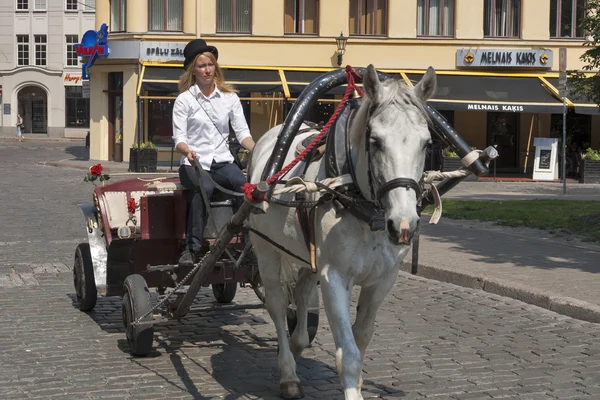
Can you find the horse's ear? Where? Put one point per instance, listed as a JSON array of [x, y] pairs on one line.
[[371, 82], [425, 89]]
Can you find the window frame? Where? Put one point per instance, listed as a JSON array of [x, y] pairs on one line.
[[27, 43], [428, 21], [123, 19], [493, 20], [233, 27], [71, 51], [71, 9], [165, 20], [43, 44], [300, 7], [574, 24], [360, 4], [35, 8], [24, 3]]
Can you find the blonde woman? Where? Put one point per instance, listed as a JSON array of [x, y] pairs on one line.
[[19, 127], [202, 114]]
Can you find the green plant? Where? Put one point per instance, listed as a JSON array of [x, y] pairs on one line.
[[591, 154], [449, 153], [144, 145]]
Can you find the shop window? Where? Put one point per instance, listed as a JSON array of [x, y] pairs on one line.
[[165, 15], [77, 108], [435, 17], [117, 15], [39, 5], [301, 16], [88, 5], [22, 4], [72, 59], [40, 50], [71, 5], [160, 122], [566, 17], [234, 16], [502, 18], [22, 50], [368, 17]]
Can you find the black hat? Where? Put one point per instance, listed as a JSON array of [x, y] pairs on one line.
[[195, 47]]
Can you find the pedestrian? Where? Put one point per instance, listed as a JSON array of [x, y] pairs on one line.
[[202, 114], [20, 127]]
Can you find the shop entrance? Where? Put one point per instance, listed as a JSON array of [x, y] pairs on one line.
[[115, 116], [503, 133], [33, 107]]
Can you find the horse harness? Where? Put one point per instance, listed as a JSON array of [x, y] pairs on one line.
[[338, 158]]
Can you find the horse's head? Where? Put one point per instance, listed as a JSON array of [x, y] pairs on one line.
[[391, 150]]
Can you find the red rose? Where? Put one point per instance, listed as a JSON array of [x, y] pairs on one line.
[[96, 170], [131, 206]]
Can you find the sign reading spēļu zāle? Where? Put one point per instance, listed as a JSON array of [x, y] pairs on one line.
[[504, 58]]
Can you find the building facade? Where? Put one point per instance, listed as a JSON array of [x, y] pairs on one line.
[[497, 63], [40, 73]]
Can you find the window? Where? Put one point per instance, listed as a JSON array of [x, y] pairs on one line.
[[22, 50], [165, 15], [72, 60], [502, 18], [301, 16], [117, 15], [435, 18], [71, 5], [233, 16], [22, 4], [88, 5], [40, 50], [77, 108], [566, 17], [368, 17], [40, 5]]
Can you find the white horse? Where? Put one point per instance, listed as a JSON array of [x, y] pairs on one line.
[[390, 131]]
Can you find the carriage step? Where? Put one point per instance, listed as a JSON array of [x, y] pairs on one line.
[[157, 268]]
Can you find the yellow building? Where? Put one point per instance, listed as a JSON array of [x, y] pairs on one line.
[[497, 64]]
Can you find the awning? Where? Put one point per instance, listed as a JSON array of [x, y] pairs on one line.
[[158, 81], [492, 93], [581, 105]]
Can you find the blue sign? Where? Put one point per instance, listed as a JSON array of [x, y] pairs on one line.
[[93, 45]]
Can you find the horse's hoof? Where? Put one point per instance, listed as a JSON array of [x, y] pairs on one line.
[[291, 390]]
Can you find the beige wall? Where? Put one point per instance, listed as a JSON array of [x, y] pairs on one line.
[[98, 115], [207, 17], [267, 18], [468, 22], [535, 17], [333, 18], [137, 16], [403, 18], [471, 125]]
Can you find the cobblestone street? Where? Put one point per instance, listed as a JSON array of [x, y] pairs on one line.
[[432, 340]]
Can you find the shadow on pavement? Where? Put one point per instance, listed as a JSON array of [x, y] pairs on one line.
[[79, 153], [234, 350]]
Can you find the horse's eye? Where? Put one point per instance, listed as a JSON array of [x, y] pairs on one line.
[[374, 143]]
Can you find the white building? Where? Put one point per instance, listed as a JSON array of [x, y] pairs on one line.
[[40, 73]]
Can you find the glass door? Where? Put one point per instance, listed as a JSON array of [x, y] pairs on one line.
[[503, 133]]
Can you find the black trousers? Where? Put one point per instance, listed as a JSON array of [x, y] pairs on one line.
[[225, 174]]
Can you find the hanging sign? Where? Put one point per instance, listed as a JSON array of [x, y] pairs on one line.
[[93, 45]]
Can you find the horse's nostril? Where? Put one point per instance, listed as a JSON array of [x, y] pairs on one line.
[[391, 228]]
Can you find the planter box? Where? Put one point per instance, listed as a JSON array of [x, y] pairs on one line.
[[143, 160], [452, 164], [590, 171]]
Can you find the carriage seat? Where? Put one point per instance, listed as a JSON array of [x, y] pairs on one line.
[[218, 198], [115, 207]]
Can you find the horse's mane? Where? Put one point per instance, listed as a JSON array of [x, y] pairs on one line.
[[401, 95]]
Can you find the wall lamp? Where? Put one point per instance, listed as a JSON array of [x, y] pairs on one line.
[[341, 47]]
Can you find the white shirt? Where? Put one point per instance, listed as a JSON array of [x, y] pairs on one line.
[[192, 115]]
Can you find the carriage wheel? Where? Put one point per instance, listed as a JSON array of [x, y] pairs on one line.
[[136, 302], [313, 318], [83, 278], [224, 292]]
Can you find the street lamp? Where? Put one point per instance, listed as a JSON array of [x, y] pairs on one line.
[[341, 47]]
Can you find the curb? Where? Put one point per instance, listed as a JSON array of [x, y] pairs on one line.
[[107, 169], [559, 304]]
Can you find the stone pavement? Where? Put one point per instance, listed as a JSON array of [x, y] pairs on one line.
[[432, 340]]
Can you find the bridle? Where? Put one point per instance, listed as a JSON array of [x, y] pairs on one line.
[[382, 190]]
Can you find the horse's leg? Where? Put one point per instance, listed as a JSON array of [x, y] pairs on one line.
[[306, 287], [369, 301], [336, 291], [269, 262]]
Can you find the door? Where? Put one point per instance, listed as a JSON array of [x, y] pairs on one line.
[[115, 116], [503, 133]]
